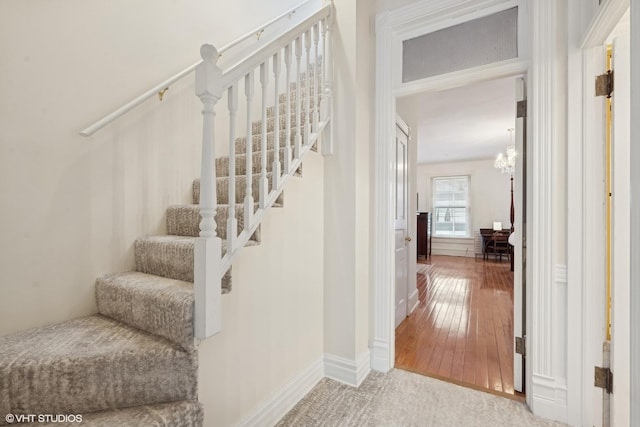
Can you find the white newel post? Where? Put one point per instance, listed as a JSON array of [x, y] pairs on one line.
[[326, 105], [208, 247]]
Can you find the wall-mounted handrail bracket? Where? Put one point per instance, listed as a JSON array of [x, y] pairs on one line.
[[162, 92]]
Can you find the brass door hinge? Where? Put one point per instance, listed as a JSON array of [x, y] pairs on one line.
[[603, 378], [604, 84], [520, 346]]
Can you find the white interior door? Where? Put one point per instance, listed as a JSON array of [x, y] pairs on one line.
[[519, 249], [401, 223], [621, 222]]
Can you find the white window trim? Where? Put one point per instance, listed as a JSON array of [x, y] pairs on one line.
[[467, 206]]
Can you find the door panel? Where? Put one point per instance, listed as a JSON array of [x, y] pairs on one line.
[[401, 223]]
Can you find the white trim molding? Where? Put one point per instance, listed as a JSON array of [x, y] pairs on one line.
[[549, 397], [604, 21], [549, 394], [286, 398], [350, 372]]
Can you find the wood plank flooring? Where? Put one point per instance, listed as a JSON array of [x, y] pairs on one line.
[[462, 329]]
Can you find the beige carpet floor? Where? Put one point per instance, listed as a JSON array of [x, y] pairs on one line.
[[402, 398]]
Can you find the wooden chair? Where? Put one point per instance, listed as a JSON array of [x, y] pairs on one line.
[[500, 245]]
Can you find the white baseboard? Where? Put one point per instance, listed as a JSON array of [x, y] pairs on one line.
[[413, 301], [350, 372], [549, 398], [287, 397], [380, 356]]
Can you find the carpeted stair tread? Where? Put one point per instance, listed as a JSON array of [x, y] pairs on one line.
[[222, 189], [91, 364], [256, 126], [172, 257], [151, 303], [256, 144], [165, 256], [222, 163], [185, 413], [184, 220]]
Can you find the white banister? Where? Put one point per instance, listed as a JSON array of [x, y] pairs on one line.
[[312, 90], [275, 168], [208, 247]]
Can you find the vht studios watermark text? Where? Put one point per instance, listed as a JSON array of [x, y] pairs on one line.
[[43, 418]]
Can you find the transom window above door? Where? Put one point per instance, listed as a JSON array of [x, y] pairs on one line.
[[451, 214]]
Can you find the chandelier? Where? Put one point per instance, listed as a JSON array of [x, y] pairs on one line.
[[506, 161]]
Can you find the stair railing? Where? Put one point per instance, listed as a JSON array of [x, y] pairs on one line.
[[316, 113]]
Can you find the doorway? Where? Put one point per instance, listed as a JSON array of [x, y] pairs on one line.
[[463, 327]]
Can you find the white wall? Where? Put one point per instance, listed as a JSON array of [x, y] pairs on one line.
[[490, 198]]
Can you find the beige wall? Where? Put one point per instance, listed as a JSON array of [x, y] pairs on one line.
[[347, 202], [272, 321]]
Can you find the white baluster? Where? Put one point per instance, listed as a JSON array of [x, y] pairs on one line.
[[327, 98], [315, 113], [232, 222], [307, 84], [208, 247], [264, 182], [248, 198], [287, 107], [276, 169], [298, 143], [323, 28]]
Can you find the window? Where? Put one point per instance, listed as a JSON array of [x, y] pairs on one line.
[[451, 206]]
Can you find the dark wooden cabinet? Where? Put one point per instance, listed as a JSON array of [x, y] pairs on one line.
[[424, 234]]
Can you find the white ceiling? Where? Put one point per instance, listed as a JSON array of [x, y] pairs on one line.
[[465, 123]]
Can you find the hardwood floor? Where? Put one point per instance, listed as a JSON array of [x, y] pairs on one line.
[[462, 329]]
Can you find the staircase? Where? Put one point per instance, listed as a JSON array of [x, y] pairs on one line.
[[135, 362]]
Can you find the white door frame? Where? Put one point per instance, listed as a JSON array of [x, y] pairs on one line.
[[584, 172], [547, 394]]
